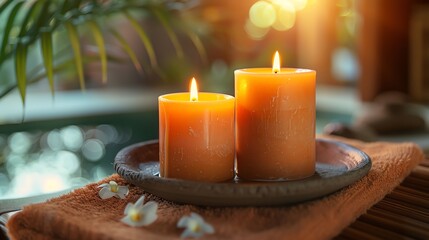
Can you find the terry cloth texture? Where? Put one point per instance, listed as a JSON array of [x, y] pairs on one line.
[[83, 215]]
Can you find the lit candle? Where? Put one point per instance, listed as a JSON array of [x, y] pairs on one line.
[[196, 136], [275, 123]]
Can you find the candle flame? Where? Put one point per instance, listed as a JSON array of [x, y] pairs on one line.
[[194, 90], [276, 62]]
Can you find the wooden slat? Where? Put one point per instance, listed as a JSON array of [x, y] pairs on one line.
[[416, 183], [421, 172], [411, 191], [403, 214], [377, 231], [406, 198], [425, 163], [351, 233], [401, 225], [404, 210]]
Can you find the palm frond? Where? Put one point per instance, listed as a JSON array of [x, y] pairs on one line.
[[31, 22], [20, 69], [196, 40], [8, 28], [144, 38], [128, 50], [75, 43], [47, 54], [99, 40], [173, 38]]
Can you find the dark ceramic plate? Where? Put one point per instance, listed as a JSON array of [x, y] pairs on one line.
[[337, 165]]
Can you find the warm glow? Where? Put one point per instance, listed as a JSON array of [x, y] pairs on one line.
[[277, 14], [254, 32], [286, 15], [262, 14], [194, 90], [276, 63]]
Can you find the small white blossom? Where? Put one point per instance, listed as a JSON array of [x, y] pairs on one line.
[[140, 214], [195, 226], [112, 189]]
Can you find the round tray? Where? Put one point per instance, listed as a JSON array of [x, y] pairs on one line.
[[337, 165]]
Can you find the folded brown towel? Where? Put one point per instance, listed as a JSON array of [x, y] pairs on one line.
[[83, 215]]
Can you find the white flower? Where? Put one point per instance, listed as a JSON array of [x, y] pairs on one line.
[[112, 189], [138, 215], [195, 226]]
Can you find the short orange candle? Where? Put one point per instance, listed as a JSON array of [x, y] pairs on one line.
[[275, 123], [196, 136]]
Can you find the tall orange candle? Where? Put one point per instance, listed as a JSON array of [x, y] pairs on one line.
[[275, 123], [196, 136]]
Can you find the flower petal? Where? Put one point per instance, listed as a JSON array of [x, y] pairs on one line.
[[149, 212], [149, 218], [194, 225], [103, 185], [150, 206], [188, 233], [197, 217], [144, 221], [127, 220], [122, 192], [207, 228], [183, 222], [128, 208], [139, 202], [105, 193]]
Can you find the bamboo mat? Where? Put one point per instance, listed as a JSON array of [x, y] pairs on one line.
[[403, 214]]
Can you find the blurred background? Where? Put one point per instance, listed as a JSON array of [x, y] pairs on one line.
[[371, 58]]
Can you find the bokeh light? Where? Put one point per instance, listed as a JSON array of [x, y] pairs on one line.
[[52, 182], [286, 15], [14, 163], [20, 142], [98, 134], [4, 183], [98, 173], [298, 4], [262, 14], [93, 149], [110, 133], [55, 141], [277, 14], [66, 162], [72, 137], [40, 162], [255, 32], [344, 64]]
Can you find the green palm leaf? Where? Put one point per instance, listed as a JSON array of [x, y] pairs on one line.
[[196, 40], [4, 5], [75, 43], [6, 33], [145, 40], [99, 40], [29, 15], [38, 20], [127, 48], [173, 37], [47, 55], [37, 77], [20, 69]]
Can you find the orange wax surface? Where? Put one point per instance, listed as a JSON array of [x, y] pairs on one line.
[[196, 138], [275, 125]]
